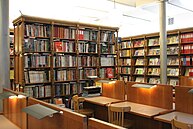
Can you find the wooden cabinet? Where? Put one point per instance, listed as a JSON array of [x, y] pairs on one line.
[[54, 58]]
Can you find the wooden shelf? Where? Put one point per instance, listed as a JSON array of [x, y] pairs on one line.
[[62, 45]]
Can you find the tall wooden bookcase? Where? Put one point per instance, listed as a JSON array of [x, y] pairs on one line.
[[139, 58], [11, 52], [53, 58]]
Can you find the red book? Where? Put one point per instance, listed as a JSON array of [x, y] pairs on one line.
[[58, 46], [187, 60], [191, 49], [182, 49], [109, 73], [191, 72]]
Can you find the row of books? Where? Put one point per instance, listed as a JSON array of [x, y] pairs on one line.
[[187, 49], [156, 71], [172, 50], [35, 30], [172, 71], [11, 62], [37, 60], [125, 61], [139, 52], [107, 72], [173, 39], [37, 76], [151, 80], [126, 44], [36, 45], [173, 61], [139, 71], [187, 60], [125, 53], [140, 62], [64, 33], [38, 91], [107, 36], [87, 47], [154, 80], [125, 78], [87, 34], [107, 60], [62, 89], [154, 51], [126, 70], [107, 48], [64, 46], [138, 43], [87, 61], [154, 61], [153, 71], [189, 72], [61, 60], [153, 42], [187, 38], [84, 73], [65, 75]]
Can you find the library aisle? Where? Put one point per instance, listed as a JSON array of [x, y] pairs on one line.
[[6, 124]]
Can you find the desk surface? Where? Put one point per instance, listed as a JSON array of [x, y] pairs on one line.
[[141, 109], [101, 100], [183, 117]]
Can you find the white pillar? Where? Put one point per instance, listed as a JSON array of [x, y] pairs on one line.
[[163, 42], [4, 47]]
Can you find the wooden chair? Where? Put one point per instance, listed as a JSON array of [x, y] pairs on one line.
[[78, 106], [116, 116], [179, 125]]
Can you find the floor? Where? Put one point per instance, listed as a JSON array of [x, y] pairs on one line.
[[6, 124]]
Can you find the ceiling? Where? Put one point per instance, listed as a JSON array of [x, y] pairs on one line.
[[133, 17]]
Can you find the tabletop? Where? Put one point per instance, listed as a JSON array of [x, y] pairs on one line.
[[182, 117], [141, 109], [101, 100]]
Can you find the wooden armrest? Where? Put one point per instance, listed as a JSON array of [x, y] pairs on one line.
[[165, 112], [81, 99], [116, 102]]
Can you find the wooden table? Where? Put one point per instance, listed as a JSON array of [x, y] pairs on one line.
[[183, 117], [101, 100], [99, 105], [142, 114], [141, 109]]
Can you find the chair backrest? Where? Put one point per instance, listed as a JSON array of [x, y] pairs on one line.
[[77, 101], [179, 125], [116, 114]]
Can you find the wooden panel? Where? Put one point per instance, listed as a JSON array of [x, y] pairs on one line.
[[16, 49], [184, 100], [20, 70], [100, 112], [186, 81], [13, 110], [116, 90], [159, 96], [98, 124], [67, 120]]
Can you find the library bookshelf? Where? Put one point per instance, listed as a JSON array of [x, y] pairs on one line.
[[53, 58], [11, 53], [139, 58]]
